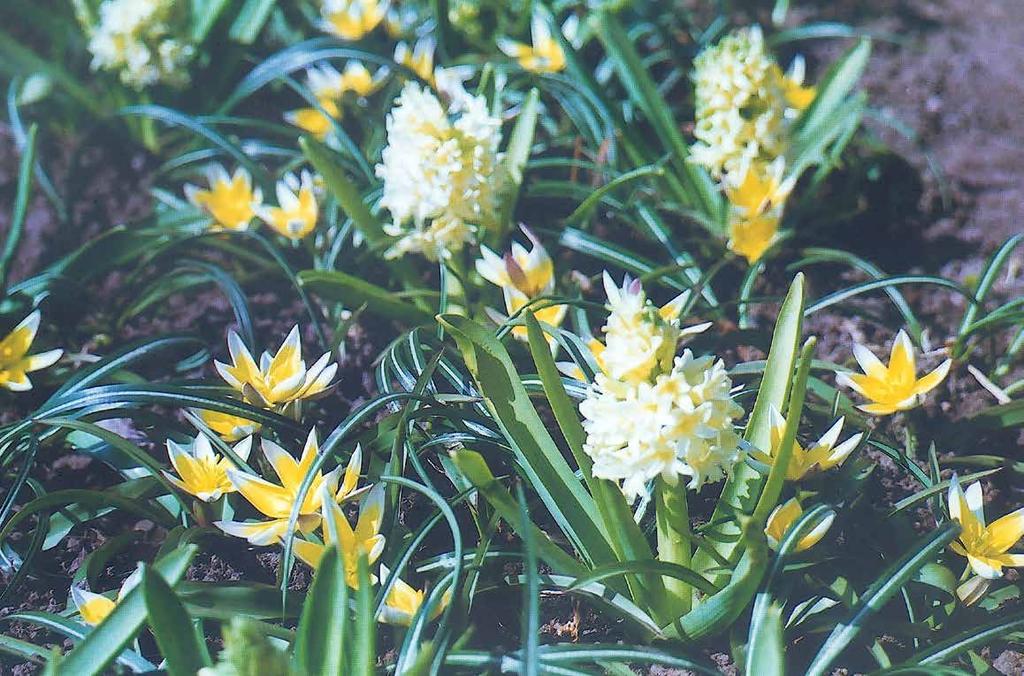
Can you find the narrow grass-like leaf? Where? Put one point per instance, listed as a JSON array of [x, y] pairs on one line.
[[355, 292], [250, 20], [879, 593], [520, 143], [21, 197]]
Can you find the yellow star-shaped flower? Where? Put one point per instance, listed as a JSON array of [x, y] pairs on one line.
[[820, 457], [94, 608], [895, 387], [296, 215], [276, 500], [230, 200], [352, 19], [782, 519], [986, 547], [201, 472], [544, 56]]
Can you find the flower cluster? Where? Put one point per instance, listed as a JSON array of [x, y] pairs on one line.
[[744, 106], [440, 171], [649, 412], [141, 41]]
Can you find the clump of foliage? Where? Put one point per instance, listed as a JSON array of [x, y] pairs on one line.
[[413, 167]]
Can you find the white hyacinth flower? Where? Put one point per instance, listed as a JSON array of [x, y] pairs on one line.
[[440, 172]]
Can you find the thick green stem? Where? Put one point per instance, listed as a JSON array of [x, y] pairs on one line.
[[673, 521]]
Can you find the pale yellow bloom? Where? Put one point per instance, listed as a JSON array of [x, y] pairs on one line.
[[404, 601], [544, 56], [523, 276], [231, 200], [15, 362], [419, 59], [277, 500], [279, 379], [985, 546], [329, 86], [201, 472], [895, 387], [228, 427], [352, 19], [297, 214], [822, 456], [365, 539], [782, 519], [94, 608]]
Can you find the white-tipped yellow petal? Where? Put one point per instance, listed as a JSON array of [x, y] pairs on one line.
[[868, 362], [243, 448], [355, 465], [259, 533], [43, 360], [94, 608], [285, 466]]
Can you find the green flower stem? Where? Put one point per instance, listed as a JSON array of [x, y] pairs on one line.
[[673, 520]]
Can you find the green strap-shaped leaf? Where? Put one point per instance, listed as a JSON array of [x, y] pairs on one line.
[[474, 467], [743, 488], [341, 186], [180, 644], [322, 636], [355, 292], [536, 452], [104, 643]]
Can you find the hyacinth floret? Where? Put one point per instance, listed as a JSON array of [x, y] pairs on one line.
[[440, 171]]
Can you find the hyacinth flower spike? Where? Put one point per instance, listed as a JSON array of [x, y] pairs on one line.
[[230, 201], [200, 471], [785, 516], [15, 362], [544, 56], [364, 539], [403, 602], [276, 501], [278, 379], [893, 387], [94, 608]]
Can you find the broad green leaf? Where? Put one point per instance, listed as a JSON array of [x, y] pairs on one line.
[[536, 452], [341, 186], [250, 20], [517, 153], [832, 91], [105, 642], [743, 488], [474, 468], [180, 644], [321, 640]]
